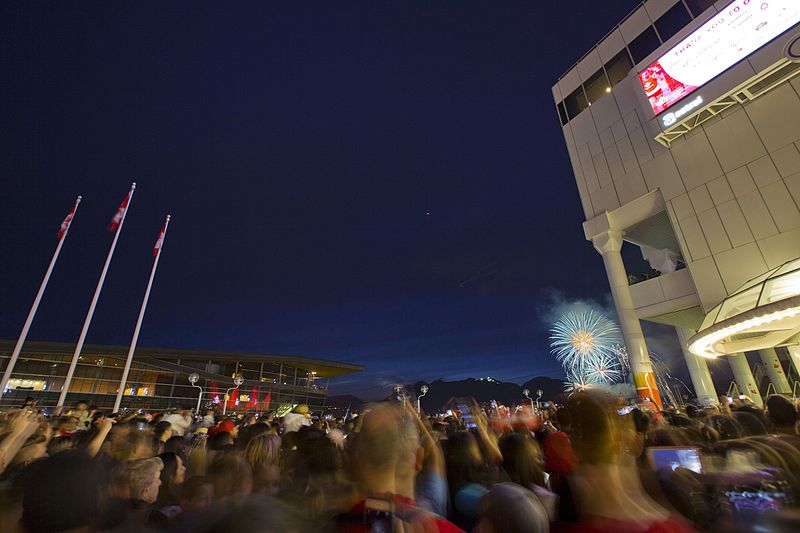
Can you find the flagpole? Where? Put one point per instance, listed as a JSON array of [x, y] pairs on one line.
[[138, 327], [32, 313], [68, 379]]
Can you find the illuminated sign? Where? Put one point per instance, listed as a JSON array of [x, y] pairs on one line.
[[672, 117], [735, 32]]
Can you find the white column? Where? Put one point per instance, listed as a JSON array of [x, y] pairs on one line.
[[609, 244], [698, 370], [775, 371], [794, 355], [744, 377]]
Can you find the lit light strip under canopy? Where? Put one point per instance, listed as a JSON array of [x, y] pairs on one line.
[[763, 313]]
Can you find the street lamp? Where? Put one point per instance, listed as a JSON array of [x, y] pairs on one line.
[[238, 380], [538, 397], [194, 377], [424, 391], [527, 394]]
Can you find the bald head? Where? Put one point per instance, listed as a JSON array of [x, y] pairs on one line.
[[386, 437]]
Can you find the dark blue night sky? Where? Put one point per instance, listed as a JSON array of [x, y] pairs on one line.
[[383, 183]]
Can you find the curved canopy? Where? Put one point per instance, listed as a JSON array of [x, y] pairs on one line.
[[763, 313]]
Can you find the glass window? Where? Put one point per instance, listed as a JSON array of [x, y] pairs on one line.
[[739, 303], [618, 67], [698, 6], [562, 113], [671, 22], [781, 288], [112, 374], [597, 86], [710, 318], [199, 365], [788, 267], [756, 281], [575, 103], [185, 391], [643, 45]]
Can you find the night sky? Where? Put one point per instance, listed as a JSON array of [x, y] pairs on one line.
[[382, 183]]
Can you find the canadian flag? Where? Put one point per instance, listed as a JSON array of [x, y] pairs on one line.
[[214, 390], [116, 220], [160, 240], [267, 399], [68, 220], [253, 400], [233, 399]]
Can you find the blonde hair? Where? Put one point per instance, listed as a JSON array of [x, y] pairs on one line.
[[263, 450], [137, 475]]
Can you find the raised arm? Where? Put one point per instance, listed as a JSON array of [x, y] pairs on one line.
[[103, 427], [21, 425], [487, 440], [433, 452]]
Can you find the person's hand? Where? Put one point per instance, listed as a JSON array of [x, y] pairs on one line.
[[23, 423], [104, 425], [478, 416], [46, 430]]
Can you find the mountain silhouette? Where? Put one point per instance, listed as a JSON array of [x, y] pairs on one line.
[[484, 390]]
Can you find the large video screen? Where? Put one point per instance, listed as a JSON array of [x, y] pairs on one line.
[[737, 31]]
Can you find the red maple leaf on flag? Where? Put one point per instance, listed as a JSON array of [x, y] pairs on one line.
[[116, 220], [160, 240], [68, 219]]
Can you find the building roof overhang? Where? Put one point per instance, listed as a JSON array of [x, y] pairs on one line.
[[323, 368]]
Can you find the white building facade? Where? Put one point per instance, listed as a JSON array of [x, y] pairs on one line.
[[683, 129]]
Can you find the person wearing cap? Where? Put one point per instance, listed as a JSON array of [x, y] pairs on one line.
[[225, 426], [298, 418]]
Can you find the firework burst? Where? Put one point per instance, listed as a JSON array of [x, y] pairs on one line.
[[576, 382], [603, 370], [580, 340], [621, 353]]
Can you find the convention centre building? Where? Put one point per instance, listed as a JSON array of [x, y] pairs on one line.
[[159, 378], [682, 125]]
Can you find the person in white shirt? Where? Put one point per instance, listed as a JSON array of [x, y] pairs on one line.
[[298, 418], [208, 420], [180, 420]]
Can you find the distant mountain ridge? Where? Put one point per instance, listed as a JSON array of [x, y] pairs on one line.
[[483, 390]]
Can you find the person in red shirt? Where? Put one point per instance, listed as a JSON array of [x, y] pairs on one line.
[[386, 454]]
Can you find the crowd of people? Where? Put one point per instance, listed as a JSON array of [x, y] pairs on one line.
[[592, 464]]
